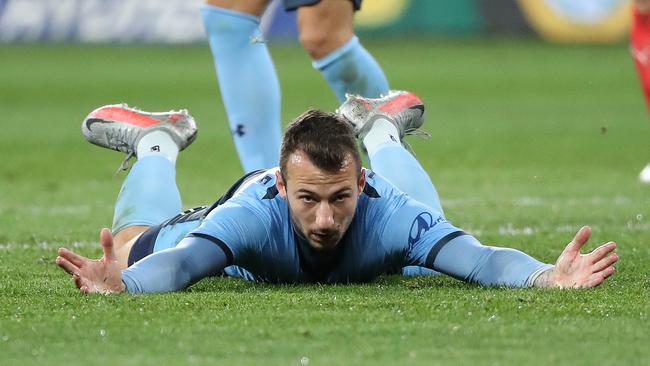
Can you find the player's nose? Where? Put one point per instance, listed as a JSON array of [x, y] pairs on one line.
[[325, 216]]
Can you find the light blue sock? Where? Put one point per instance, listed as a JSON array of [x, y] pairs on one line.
[[393, 162], [249, 85], [149, 194], [352, 69]]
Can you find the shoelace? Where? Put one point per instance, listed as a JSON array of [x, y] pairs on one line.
[[120, 136], [417, 133], [125, 163]]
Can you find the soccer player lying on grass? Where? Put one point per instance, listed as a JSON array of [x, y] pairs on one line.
[[319, 217]]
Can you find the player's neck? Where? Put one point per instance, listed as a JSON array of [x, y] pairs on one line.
[[318, 264]]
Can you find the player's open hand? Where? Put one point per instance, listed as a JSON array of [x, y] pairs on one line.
[[575, 270], [102, 275]]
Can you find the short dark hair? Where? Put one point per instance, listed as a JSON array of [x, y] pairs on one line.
[[326, 138]]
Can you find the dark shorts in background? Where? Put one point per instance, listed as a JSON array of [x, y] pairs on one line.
[[290, 5]]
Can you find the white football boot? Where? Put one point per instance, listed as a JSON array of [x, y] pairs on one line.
[[120, 127], [403, 109]]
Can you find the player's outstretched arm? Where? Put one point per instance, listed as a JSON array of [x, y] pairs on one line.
[[173, 269], [168, 270], [102, 275], [448, 250], [575, 270]]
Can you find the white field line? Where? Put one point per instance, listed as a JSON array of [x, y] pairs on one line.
[[47, 245], [538, 201], [506, 230], [510, 229], [637, 223], [449, 202], [58, 210], [48, 210]]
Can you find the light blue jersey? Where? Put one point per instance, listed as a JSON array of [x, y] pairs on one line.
[[389, 231], [249, 233]]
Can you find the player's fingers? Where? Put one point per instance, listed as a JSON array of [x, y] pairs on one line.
[[77, 280], [605, 262], [593, 282], [578, 241], [72, 257], [106, 239], [608, 272], [84, 290], [66, 265], [600, 277], [601, 252]]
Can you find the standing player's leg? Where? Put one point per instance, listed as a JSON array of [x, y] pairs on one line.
[[640, 47], [247, 79], [327, 33], [382, 124], [149, 194]]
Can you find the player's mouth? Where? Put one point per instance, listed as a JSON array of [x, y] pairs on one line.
[[325, 239]]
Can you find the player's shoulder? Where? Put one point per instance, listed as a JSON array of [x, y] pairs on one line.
[[258, 193], [379, 201], [259, 186], [251, 196], [378, 187]]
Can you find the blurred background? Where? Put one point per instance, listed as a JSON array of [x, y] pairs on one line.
[[177, 21], [525, 88]]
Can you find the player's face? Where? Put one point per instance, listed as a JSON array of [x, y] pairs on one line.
[[322, 204]]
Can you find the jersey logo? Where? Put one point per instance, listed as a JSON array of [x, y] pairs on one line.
[[92, 121], [265, 179], [239, 130], [422, 223]]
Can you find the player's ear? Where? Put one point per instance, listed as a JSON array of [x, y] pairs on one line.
[[362, 180], [280, 184]]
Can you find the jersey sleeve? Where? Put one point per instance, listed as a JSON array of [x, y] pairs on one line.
[[237, 228], [414, 230], [429, 240], [175, 268]]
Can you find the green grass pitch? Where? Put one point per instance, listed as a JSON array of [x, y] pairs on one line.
[[530, 142]]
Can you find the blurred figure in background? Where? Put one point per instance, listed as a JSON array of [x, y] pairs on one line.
[[247, 78], [640, 47]]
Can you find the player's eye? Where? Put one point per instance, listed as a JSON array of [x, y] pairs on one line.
[[341, 198], [306, 199]]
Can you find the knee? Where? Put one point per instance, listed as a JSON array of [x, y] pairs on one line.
[[319, 42], [314, 42], [325, 27]]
